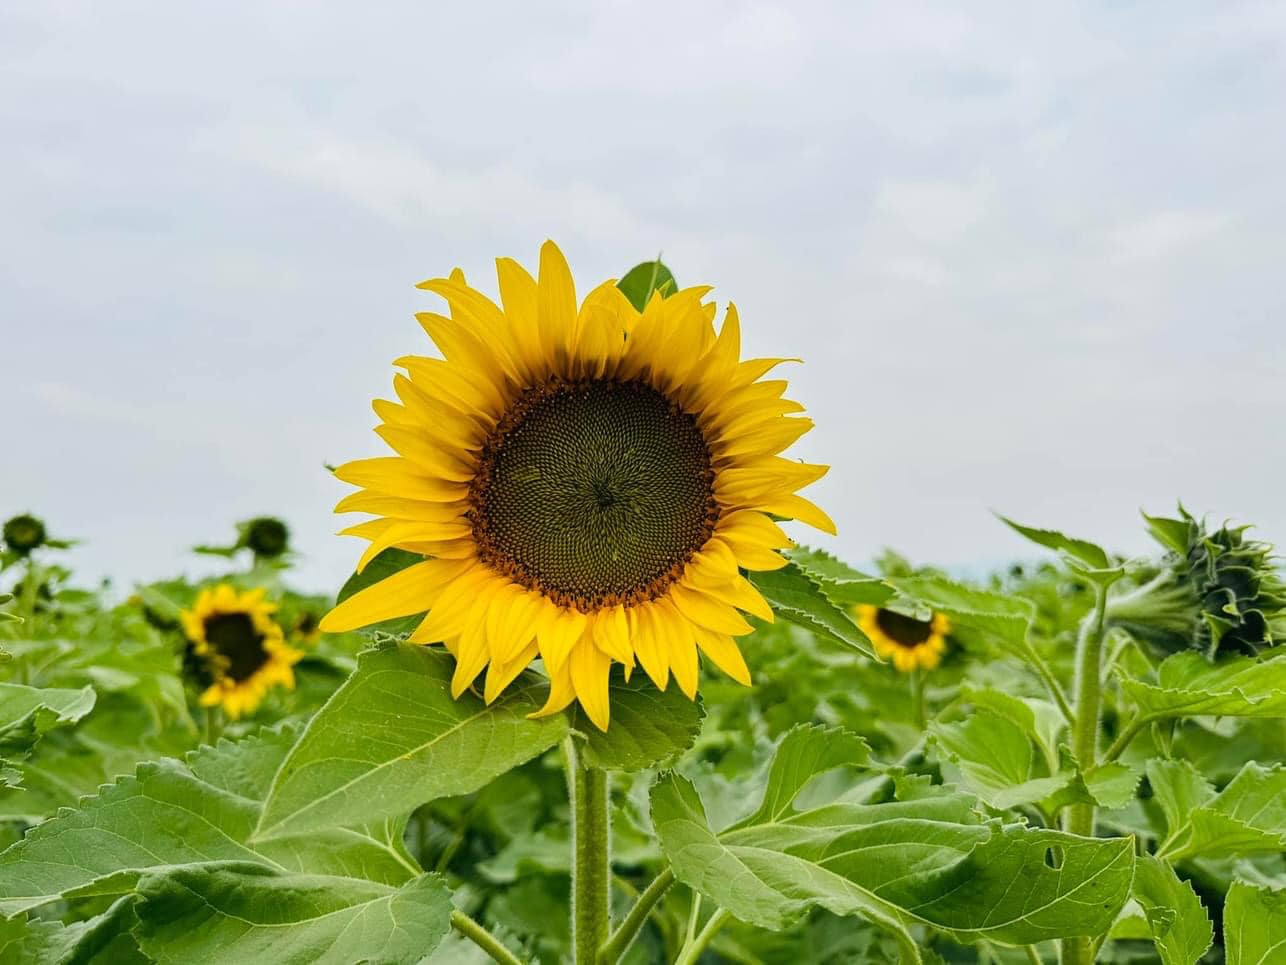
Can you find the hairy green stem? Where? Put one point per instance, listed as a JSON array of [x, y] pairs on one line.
[[917, 697], [691, 950], [591, 871], [624, 936], [1051, 683], [488, 942], [1089, 703], [1127, 734]]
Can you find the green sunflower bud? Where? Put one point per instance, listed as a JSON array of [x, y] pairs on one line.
[[266, 536], [24, 533], [1216, 591]]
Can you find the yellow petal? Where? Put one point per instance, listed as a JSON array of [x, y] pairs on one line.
[[405, 592], [590, 668], [724, 654], [707, 611]]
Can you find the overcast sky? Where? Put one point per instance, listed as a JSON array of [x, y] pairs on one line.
[[1033, 255]]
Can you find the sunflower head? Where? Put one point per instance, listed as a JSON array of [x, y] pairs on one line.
[[236, 649], [907, 641], [266, 536], [1217, 590], [24, 533], [586, 482]]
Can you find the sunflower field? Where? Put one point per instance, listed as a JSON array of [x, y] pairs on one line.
[[589, 696]]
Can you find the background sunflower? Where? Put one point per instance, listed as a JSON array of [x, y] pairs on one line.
[[239, 646]]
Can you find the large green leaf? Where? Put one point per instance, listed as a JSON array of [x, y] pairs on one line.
[[249, 913], [1254, 925], [839, 581], [171, 814], [28, 712], [1179, 789], [926, 860], [997, 760], [1080, 554], [796, 597], [1188, 685], [392, 738], [1007, 618], [650, 727], [1246, 817], [1180, 927]]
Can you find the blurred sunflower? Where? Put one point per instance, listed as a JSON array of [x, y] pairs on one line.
[[588, 483], [238, 646], [908, 642]]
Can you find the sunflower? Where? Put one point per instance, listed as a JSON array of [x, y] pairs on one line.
[[587, 483], [236, 644], [908, 642]]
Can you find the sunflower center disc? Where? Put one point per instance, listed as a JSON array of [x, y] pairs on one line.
[[233, 636], [594, 493], [904, 630]]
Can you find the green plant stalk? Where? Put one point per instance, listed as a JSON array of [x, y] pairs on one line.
[[591, 870], [624, 936], [488, 942], [691, 950], [917, 697], [1089, 705], [1051, 683]]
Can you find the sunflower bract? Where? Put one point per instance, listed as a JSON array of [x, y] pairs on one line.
[[587, 484]]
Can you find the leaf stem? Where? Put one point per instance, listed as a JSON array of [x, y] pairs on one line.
[[1127, 734], [591, 872], [488, 942], [691, 950], [1089, 702], [624, 936], [1051, 683]]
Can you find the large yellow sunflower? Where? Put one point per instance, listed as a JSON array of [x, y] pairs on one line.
[[587, 483], [908, 642], [239, 646]]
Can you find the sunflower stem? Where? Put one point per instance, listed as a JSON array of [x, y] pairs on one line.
[[624, 936], [917, 697], [488, 942], [591, 871], [692, 949], [1089, 699], [213, 725]]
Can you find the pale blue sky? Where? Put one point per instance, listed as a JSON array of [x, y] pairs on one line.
[[1032, 254]]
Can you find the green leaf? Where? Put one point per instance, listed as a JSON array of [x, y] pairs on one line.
[[391, 738], [171, 814], [642, 280], [1007, 618], [1246, 817], [1254, 925], [1180, 927], [384, 565], [997, 760], [28, 712], [1188, 685], [104, 939], [796, 597], [805, 752], [840, 582], [1080, 553], [1171, 533], [650, 727], [925, 860], [1179, 789], [249, 913]]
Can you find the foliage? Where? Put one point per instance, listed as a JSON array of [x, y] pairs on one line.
[[836, 811]]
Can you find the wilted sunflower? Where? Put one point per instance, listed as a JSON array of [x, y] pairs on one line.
[[908, 642], [239, 646], [588, 482]]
